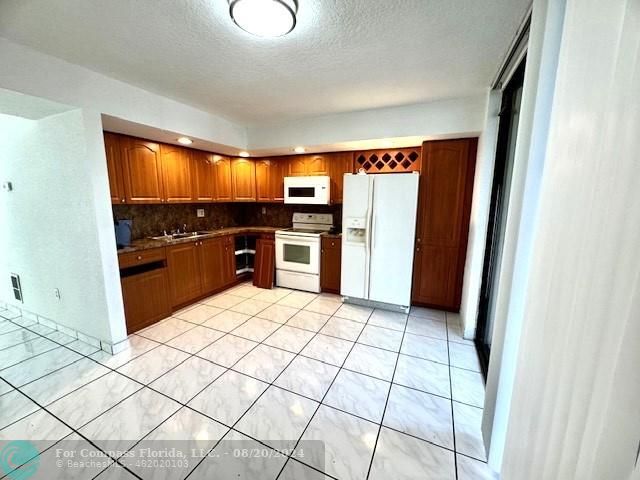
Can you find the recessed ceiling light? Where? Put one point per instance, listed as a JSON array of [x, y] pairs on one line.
[[299, 149], [185, 141], [264, 18], [244, 154]]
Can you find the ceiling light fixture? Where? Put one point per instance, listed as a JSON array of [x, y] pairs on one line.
[[185, 141], [264, 18], [244, 154], [299, 149]]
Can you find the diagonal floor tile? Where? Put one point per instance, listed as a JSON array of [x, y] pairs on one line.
[[381, 338], [402, 457], [468, 428], [15, 406], [342, 328], [225, 463], [372, 361], [226, 321], [58, 384], [198, 314], [308, 377], [224, 301], [297, 299], [295, 470], [467, 387], [425, 375], [470, 469], [359, 395], [151, 365], [328, 349], [53, 467], [136, 347], [307, 320], [250, 306], [121, 427], [245, 291], [166, 330], [228, 350], [464, 356], [6, 327], [273, 295], [420, 414], [264, 363], [356, 313], [95, 397], [15, 337], [427, 313], [214, 400], [347, 447], [196, 339], [427, 327], [278, 418], [425, 347], [187, 379], [18, 353], [388, 319], [256, 329], [323, 305], [278, 313], [289, 338], [39, 366]]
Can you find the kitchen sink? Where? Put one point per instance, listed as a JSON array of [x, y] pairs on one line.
[[178, 236]]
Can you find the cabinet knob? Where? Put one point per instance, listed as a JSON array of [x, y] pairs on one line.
[[139, 257], [122, 200]]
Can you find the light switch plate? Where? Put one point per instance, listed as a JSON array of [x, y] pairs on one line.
[[200, 212]]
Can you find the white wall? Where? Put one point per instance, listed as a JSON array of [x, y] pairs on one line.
[[29, 71], [442, 119], [57, 224], [574, 412]]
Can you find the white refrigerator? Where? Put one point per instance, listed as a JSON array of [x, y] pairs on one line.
[[378, 235]]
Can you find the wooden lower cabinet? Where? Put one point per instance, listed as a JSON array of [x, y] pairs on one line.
[[229, 261], [330, 264], [146, 298], [184, 272], [265, 263], [444, 206], [212, 256]]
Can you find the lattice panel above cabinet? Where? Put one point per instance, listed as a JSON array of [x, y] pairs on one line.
[[389, 161]]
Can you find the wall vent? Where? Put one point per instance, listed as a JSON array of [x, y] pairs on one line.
[[17, 287]]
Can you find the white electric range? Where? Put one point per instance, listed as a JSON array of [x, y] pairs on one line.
[[298, 251]]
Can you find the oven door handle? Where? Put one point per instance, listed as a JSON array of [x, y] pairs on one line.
[[296, 238]]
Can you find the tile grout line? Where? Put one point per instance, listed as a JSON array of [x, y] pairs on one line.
[[384, 411], [453, 420], [321, 402]]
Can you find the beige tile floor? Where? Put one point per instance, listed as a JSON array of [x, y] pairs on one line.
[[250, 384]]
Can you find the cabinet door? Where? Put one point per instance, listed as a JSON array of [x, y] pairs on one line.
[[202, 176], [316, 165], [222, 178], [331, 259], [114, 167], [265, 263], [243, 180], [297, 165], [212, 264], [184, 273], [176, 173], [339, 164], [229, 260], [278, 172], [142, 171], [444, 205], [146, 299], [264, 171]]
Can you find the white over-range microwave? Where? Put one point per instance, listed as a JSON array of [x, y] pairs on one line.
[[307, 190]]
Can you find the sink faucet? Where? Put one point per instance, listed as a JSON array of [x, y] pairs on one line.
[[184, 228]]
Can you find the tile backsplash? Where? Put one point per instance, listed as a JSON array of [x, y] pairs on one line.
[[151, 220]]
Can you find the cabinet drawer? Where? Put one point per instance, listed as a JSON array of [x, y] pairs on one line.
[[142, 257]]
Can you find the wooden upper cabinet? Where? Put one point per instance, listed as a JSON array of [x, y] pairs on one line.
[[142, 169], [300, 165], [270, 173], [444, 206], [243, 180], [278, 172], [316, 165], [176, 173], [202, 176], [114, 167], [264, 191], [222, 178], [339, 164]]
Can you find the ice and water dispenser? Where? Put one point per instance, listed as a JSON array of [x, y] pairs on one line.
[[356, 230]]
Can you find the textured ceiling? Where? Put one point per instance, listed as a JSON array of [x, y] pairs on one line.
[[342, 56]]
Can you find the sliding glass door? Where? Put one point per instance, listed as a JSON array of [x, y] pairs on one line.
[[505, 152]]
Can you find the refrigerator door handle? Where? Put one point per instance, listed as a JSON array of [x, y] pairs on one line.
[[373, 232]]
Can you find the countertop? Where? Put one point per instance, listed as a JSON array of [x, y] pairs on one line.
[[148, 243]]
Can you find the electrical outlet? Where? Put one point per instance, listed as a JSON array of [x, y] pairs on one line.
[[264, 210], [200, 212], [56, 292], [7, 186]]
